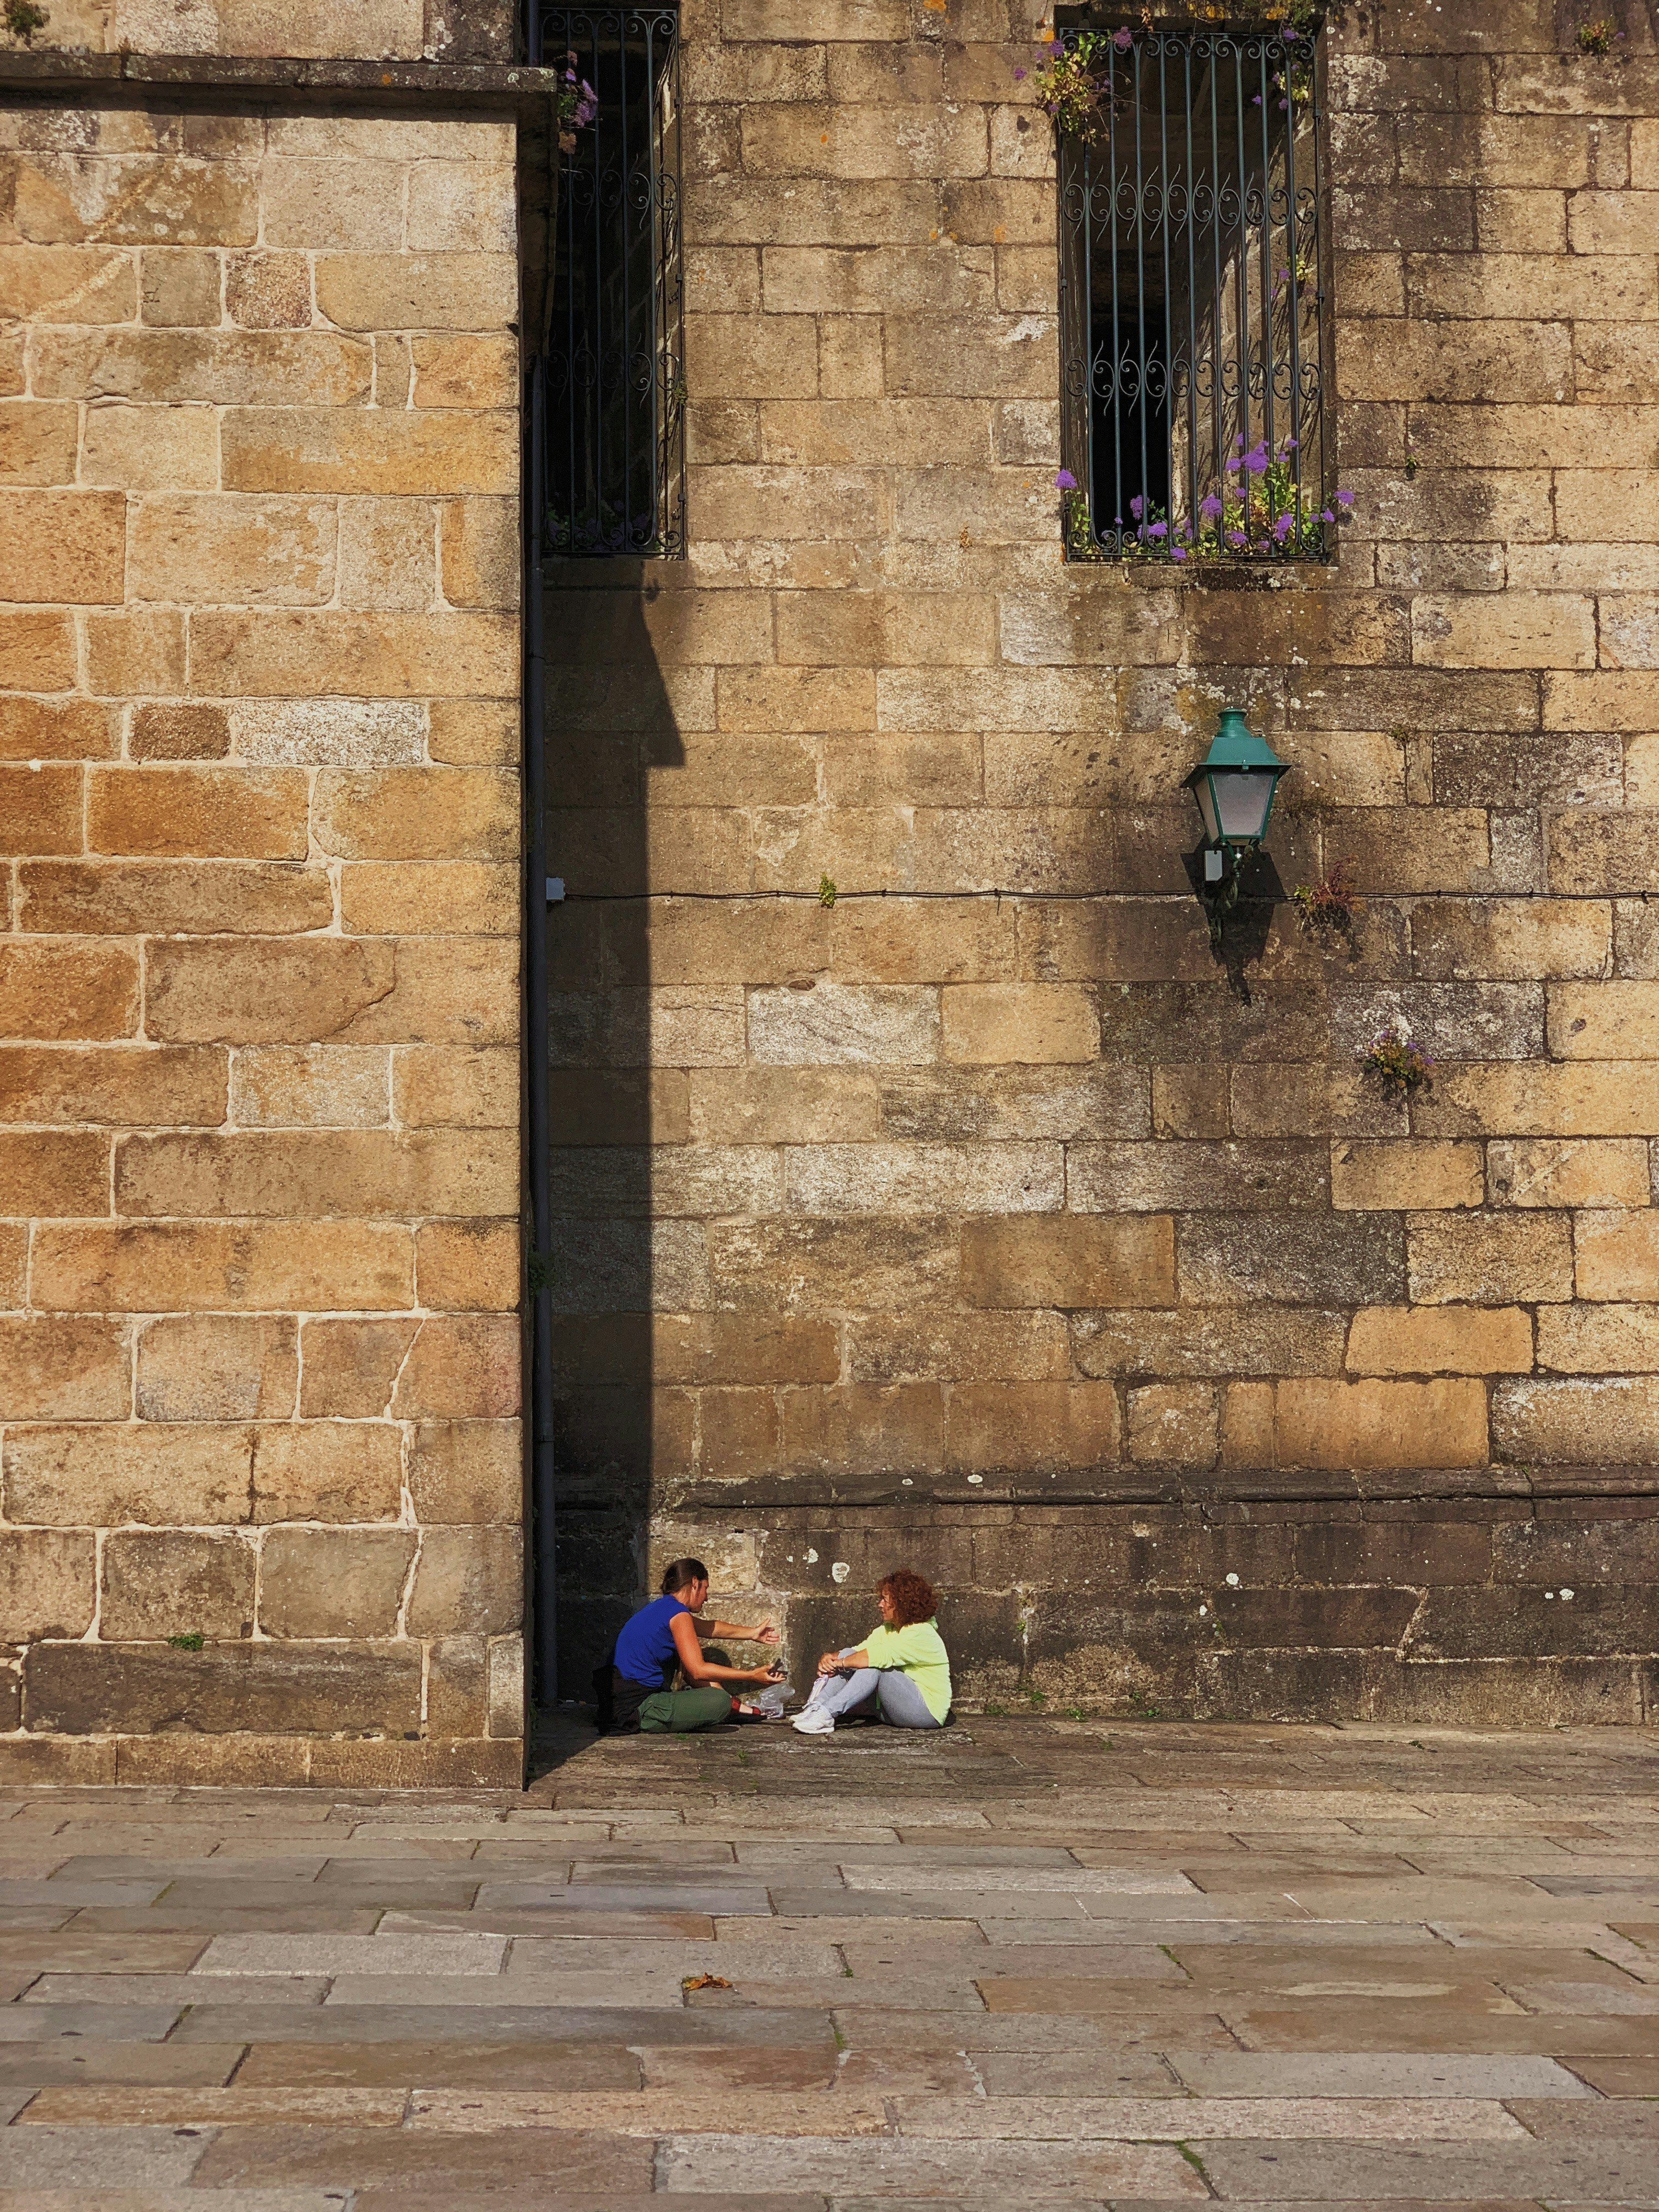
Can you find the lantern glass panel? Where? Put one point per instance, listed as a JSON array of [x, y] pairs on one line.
[[1206, 798], [1242, 797]]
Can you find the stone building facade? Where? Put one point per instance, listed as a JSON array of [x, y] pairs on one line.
[[979, 1214]]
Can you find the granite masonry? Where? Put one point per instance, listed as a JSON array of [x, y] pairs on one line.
[[927, 1187]]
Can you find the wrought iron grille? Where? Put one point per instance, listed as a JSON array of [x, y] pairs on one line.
[[613, 381], [1193, 295]]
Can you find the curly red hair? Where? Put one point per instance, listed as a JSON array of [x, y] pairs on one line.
[[913, 1597]]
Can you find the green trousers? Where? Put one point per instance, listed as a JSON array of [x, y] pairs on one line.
[[682, 1710]]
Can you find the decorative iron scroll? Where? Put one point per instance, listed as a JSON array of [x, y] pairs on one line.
[[615, 382], [1193, 298]]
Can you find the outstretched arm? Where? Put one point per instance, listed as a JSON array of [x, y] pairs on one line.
[[764, 1634], [699, 1670]]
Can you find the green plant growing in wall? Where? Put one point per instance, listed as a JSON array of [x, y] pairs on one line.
[[24, 19]]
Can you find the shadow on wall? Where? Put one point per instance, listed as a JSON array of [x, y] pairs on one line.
[[610, 724]]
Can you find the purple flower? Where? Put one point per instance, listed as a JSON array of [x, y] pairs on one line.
[[1177, 552], [1256, 102], [1235, 538], [1123, 40], [1158, 530], [1282, 527], [1056, 48], [1256, 460], [1326, 516], [1137, 507], [1289, 445], [1344, 499], [1020, 76], [1066, 481], [1210, 507]]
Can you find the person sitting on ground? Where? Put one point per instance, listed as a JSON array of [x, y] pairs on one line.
[[902, 1670], [663, 1634]]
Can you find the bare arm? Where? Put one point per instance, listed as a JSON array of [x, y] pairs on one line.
[[699, 1670], [831, 1660], [764, 1634]]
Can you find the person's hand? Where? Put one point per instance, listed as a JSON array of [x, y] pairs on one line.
[[767, 1674], [766, 1634], [830, 1662]]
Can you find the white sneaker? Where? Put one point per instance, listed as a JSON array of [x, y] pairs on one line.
[[814, 1721]]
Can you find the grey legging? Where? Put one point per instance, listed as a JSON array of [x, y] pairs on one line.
[[900, 1703]]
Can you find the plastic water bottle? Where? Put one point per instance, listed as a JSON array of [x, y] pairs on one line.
[[770, 1700]]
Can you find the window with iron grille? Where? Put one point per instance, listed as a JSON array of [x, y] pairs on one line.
[[612, 380], [1195, 345]]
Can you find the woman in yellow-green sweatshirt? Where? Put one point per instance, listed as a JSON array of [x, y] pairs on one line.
[[902, 1669]]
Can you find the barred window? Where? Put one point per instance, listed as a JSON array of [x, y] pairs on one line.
[[1194, 332], [613, 381]]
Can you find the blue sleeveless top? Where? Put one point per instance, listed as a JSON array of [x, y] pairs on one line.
[[645, 1646]]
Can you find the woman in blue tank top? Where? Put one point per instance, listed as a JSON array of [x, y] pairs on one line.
[[662, 1636]]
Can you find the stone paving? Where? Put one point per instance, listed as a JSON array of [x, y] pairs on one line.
[[1026, 1960]]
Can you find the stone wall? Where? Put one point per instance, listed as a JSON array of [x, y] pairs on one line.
[[993, 1181], [259, 1262]]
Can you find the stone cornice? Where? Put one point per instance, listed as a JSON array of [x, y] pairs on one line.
[[278, 81]]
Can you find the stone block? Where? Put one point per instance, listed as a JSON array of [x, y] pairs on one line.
[[139, 200], [352, 1367], [1220, 1339], [1318, 1423], [334, 1582], [217, 1367], [215, 368], [466, 1471], [1616, 1021], [366, 1173], [1614, 1421], [1521, 938], [1166, 1177], [1540, 1099], [1560, 1172], [120, 1085], [453, 1086], [212, 1267], [57, 729], [338, 990], [922, 1178], [469, 1267], [63, 1368], [808, 1265], [460, 291], [219, 813], [1069, 1261], [216, 547], [199, 1476], [463, 1369], [48, 1584], [172, 731], [836, 1024], [68, 546], [163, 1582], [1616, 1255], [464, 370], [1042, 1025], [123, 898], [69, 283], [417, 813], [1489, 1258], [1174, 1424], [1030, 1428], [40, 808], [37, 443], [326, 204], [309, 1087], [90, 1689], [1306, 1259], [285, 653], [1018, 1347], [268, 291], [1598, 1339], [1444, 1339], [179, 287], [328, 1471], [865, 1429], [479, 552], [468, 1580], [1406, 1174], [57, 1171], [333, 449]]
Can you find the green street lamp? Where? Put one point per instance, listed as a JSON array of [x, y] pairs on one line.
[[1233, 786]]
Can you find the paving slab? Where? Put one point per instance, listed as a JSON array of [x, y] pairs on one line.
[[1059, 1963]]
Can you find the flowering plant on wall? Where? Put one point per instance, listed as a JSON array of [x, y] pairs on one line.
[[578, 104], [1260, 509]]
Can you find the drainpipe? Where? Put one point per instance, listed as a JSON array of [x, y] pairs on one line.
[[543, 1496]]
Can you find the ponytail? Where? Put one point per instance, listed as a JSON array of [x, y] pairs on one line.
[[678, 1573]]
